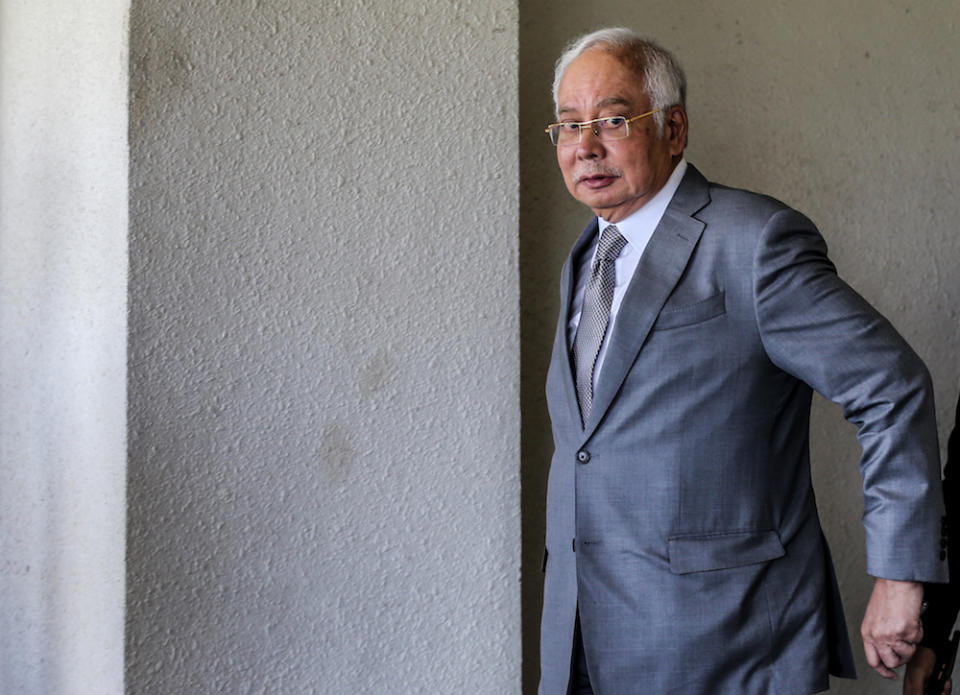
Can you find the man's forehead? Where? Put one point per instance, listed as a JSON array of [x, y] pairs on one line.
[[596, 79]]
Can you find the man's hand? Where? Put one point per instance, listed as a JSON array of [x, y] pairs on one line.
[[919, 670], [891, 625]]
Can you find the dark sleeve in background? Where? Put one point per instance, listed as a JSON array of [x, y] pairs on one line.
[[943, 600]]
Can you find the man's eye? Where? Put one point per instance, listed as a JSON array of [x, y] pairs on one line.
[[571, 126], [613, 122]]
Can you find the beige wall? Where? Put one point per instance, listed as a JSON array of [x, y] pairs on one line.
[[848, 112]]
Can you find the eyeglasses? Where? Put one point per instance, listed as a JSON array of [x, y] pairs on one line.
[[606, 128]]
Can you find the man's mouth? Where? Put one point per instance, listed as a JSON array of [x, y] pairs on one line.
[[597, 180]]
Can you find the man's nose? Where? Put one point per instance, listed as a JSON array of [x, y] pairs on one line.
[[590, 146]]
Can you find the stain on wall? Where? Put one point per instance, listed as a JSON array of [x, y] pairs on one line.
[[337, 453]]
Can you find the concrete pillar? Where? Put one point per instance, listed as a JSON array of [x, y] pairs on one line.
[[63, 265]]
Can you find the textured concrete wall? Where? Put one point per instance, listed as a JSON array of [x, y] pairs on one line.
[[846, 111], [324, 341], [63, 243]]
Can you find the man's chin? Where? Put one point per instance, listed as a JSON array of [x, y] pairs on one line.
[[610, 209], [600, 199]]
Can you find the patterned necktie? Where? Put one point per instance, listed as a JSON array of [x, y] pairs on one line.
[[595, 315]]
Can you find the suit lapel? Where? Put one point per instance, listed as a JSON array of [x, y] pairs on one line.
[[661, 265], [561, 350]]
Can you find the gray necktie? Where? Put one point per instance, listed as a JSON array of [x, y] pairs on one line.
[[595, 315]]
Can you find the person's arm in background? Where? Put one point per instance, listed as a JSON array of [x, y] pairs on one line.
[[943, 600]]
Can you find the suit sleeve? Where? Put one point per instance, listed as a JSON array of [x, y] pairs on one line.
[[818, 329]]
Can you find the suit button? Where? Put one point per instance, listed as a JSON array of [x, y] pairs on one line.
[[583, 456]]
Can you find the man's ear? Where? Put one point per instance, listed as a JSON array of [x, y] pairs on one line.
[[676, 129]]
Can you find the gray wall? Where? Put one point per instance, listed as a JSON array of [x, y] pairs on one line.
[[848, 112], [63, 267], [323, 470], [324, 348]]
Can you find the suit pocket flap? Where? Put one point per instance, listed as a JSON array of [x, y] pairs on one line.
[[692, 313], [714, 552]]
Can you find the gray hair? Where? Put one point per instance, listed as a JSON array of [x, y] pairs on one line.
[[663, 79]]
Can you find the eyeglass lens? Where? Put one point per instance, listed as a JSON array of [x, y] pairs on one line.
[[611, 128]]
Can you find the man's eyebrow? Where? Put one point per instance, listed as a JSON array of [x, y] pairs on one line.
[[603, 103]]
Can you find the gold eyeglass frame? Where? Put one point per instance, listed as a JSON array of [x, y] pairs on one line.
[[595, 131]]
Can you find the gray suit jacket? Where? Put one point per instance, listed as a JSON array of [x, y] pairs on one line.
[[681, 519]]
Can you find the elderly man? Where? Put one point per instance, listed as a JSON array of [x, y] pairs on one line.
[[684, 553]]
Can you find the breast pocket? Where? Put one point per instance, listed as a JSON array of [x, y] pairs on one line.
[[702, 553], [689, 314]]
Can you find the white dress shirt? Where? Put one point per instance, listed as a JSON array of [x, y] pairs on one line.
[[637, 230]]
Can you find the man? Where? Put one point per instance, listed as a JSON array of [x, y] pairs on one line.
[[683, 549], [943, 600]]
